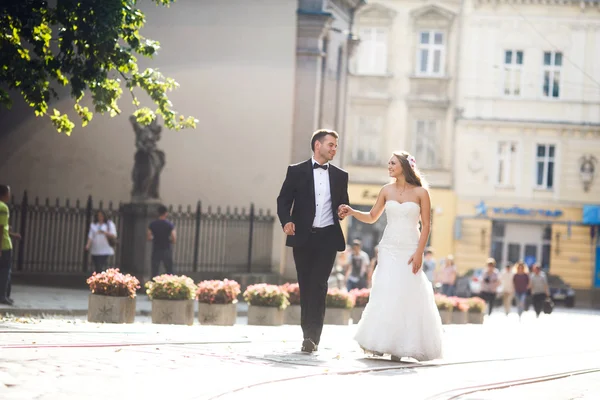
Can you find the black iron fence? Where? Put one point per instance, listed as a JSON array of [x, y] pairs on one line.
[[219, 241]]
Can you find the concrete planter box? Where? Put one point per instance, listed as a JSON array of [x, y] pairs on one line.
[[446, 316], [266, 316], [176, 312], [337, 316], [217, 314], [356, 314], [475, 317], [111, 309], [460, 317], [292, 315]]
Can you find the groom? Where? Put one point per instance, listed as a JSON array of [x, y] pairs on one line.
[[308, 208]]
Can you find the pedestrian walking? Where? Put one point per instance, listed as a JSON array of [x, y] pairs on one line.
[[448, 276], [429, 265], [6, 247], [521, 285], [539, 289], [356, 272], [508, 289], [102, 238], [163, 236], [489, 284]]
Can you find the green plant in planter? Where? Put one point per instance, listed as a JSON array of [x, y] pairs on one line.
[[265, 295], [361, 297], [443, 303], [171, 287], [113, 283], [293, 291], [339, 299], [218, 292], [476, 305]]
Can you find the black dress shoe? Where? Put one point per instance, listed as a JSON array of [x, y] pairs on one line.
[[6, 301], [308, 346]]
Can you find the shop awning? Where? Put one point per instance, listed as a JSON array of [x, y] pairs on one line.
[[591, 214]]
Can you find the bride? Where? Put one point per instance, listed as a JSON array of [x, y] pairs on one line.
[[401, 318]]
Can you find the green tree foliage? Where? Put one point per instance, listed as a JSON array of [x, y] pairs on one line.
[[90, 46]]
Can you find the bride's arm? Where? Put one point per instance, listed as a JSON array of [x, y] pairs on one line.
[[372, 216], [425, 221]]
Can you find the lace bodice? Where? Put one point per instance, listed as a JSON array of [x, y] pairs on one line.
[[402, 230]]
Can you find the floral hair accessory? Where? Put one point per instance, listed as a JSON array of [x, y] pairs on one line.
[[412, 162]]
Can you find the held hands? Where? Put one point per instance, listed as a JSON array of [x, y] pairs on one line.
[[417, 261], [289, 229], [344, 210]]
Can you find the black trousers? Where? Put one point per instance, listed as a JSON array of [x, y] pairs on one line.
[[314, 262], [490, 299], [162, 255], [538, 300], [100, 262]]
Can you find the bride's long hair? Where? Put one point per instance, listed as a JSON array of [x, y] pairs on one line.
[[411, 172]]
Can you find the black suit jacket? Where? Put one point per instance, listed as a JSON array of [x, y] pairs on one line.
[[296, 202]]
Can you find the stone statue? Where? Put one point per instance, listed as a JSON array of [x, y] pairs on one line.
[[148, 161]]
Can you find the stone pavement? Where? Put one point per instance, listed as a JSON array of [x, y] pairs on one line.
[[68, 358]]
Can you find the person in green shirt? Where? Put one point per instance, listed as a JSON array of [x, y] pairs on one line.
[[6, 248]]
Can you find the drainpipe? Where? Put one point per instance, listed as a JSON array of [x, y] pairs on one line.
[[349, 44], [457, 113]]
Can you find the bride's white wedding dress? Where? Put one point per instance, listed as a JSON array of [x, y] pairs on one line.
[[401, 317]]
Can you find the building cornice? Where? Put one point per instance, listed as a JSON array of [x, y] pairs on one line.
[[581, 3], [566, 128]]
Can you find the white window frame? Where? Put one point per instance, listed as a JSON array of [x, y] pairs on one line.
[[372, 136], [506, 163], [431, 138], [546, 159], [431, 48], [552, 69], [372, 54], [512, 69]]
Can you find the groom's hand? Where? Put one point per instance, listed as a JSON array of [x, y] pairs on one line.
[[342, 211], [289, 229]]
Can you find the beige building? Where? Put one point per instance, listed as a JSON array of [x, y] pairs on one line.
[[529, 129], [259, 76], [402, 94], [500, 104]]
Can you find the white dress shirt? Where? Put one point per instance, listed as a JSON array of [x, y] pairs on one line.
[[323, 213]]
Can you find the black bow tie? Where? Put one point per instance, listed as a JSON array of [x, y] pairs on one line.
[[317, 165]]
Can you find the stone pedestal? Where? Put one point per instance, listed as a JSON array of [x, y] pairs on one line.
[[356, 314], [134, 245], [446, 316], [460, 317], [217, 314], [176, 312], [266, 316], [292, 315], [111, 309], [337, 316]]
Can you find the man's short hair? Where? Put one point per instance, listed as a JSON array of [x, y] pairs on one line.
[[4, 190], [320, 135], [356, 242], [491, 261], [162, 210]]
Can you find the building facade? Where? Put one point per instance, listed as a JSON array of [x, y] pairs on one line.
[[500, 104], [259, 76], [528, 136], [402, 95]]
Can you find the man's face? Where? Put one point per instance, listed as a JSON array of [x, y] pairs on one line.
[[356, 249], [328, 148]]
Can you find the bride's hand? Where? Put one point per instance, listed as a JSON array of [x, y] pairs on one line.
[[417, 261], [344, 210]]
